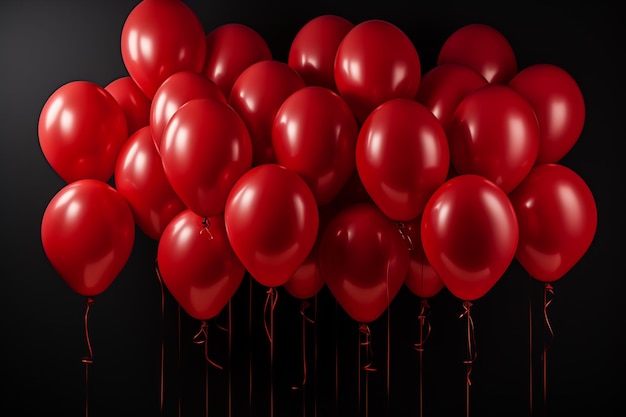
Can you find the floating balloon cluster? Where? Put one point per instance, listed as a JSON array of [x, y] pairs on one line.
[[347, 166]]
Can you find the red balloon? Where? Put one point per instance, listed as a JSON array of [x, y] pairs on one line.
[[307, 280], [313, 49], [559, 105], [257, 95], [422, 279], [443, 87], [175, 91], [272, 221], [134, 103], [557, 217], [469, 234], [81, 130], [402, 157], [198, 265], [363, 260], [494, 133], [88, 233], [205, 148], [159, 38], [375, 62], [314, 133], [484, 49], [230, 49], [140, 178]]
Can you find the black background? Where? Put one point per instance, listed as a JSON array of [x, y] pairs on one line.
[[44, 44]]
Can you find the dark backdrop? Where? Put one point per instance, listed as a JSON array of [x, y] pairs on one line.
[[44, 44]]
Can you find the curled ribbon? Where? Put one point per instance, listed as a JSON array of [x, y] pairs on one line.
[[88, 359], [548, 296], [424, 326], [206, 224], [270, 302], [202, 338], [471, 340], [365, 331], [402, 227], [303, 306]]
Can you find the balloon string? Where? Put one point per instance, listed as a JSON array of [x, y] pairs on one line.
[[365, 340], [471, 353], [548, 295], [179, 362], [388, 364], [337, 357], [249, 350], [402, 227], [87, 360], [530, 344], [303, 306], [270, 303], [162, 364], [230, 348], [424, 333], [206, 225], [202, 338], [315, 356]]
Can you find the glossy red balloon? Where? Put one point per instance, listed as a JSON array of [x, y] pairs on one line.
[[559, 105], [422, 279], [484, 49], [375, 62], [272, 221], [175, 91], [88, 233], [205, 148], [230, 49], [557, 217], [257, 95], [81, 130], [402, 157], [313, 49], [307, 280], [140, 178], [494, 133], [198, 265], [314, 133], [364, 260], [469, 234], [443, 87], [159, 38], [134, 103]]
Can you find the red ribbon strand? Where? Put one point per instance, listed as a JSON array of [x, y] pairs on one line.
[[471, 352], [87, 360], [548, 296], [424, 333]]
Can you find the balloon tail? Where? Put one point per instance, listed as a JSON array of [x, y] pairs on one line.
[[471, 353], [230, 348], [530, 345], [270, 304], [88, 359], [202, 338], [548, 295], [206, 226], [424, 333], [249, 350], [402, 227], [162, 364], [303, 306], [315, 357], [365, 341]]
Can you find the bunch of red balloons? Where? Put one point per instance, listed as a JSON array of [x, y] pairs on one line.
[[346, 166]]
